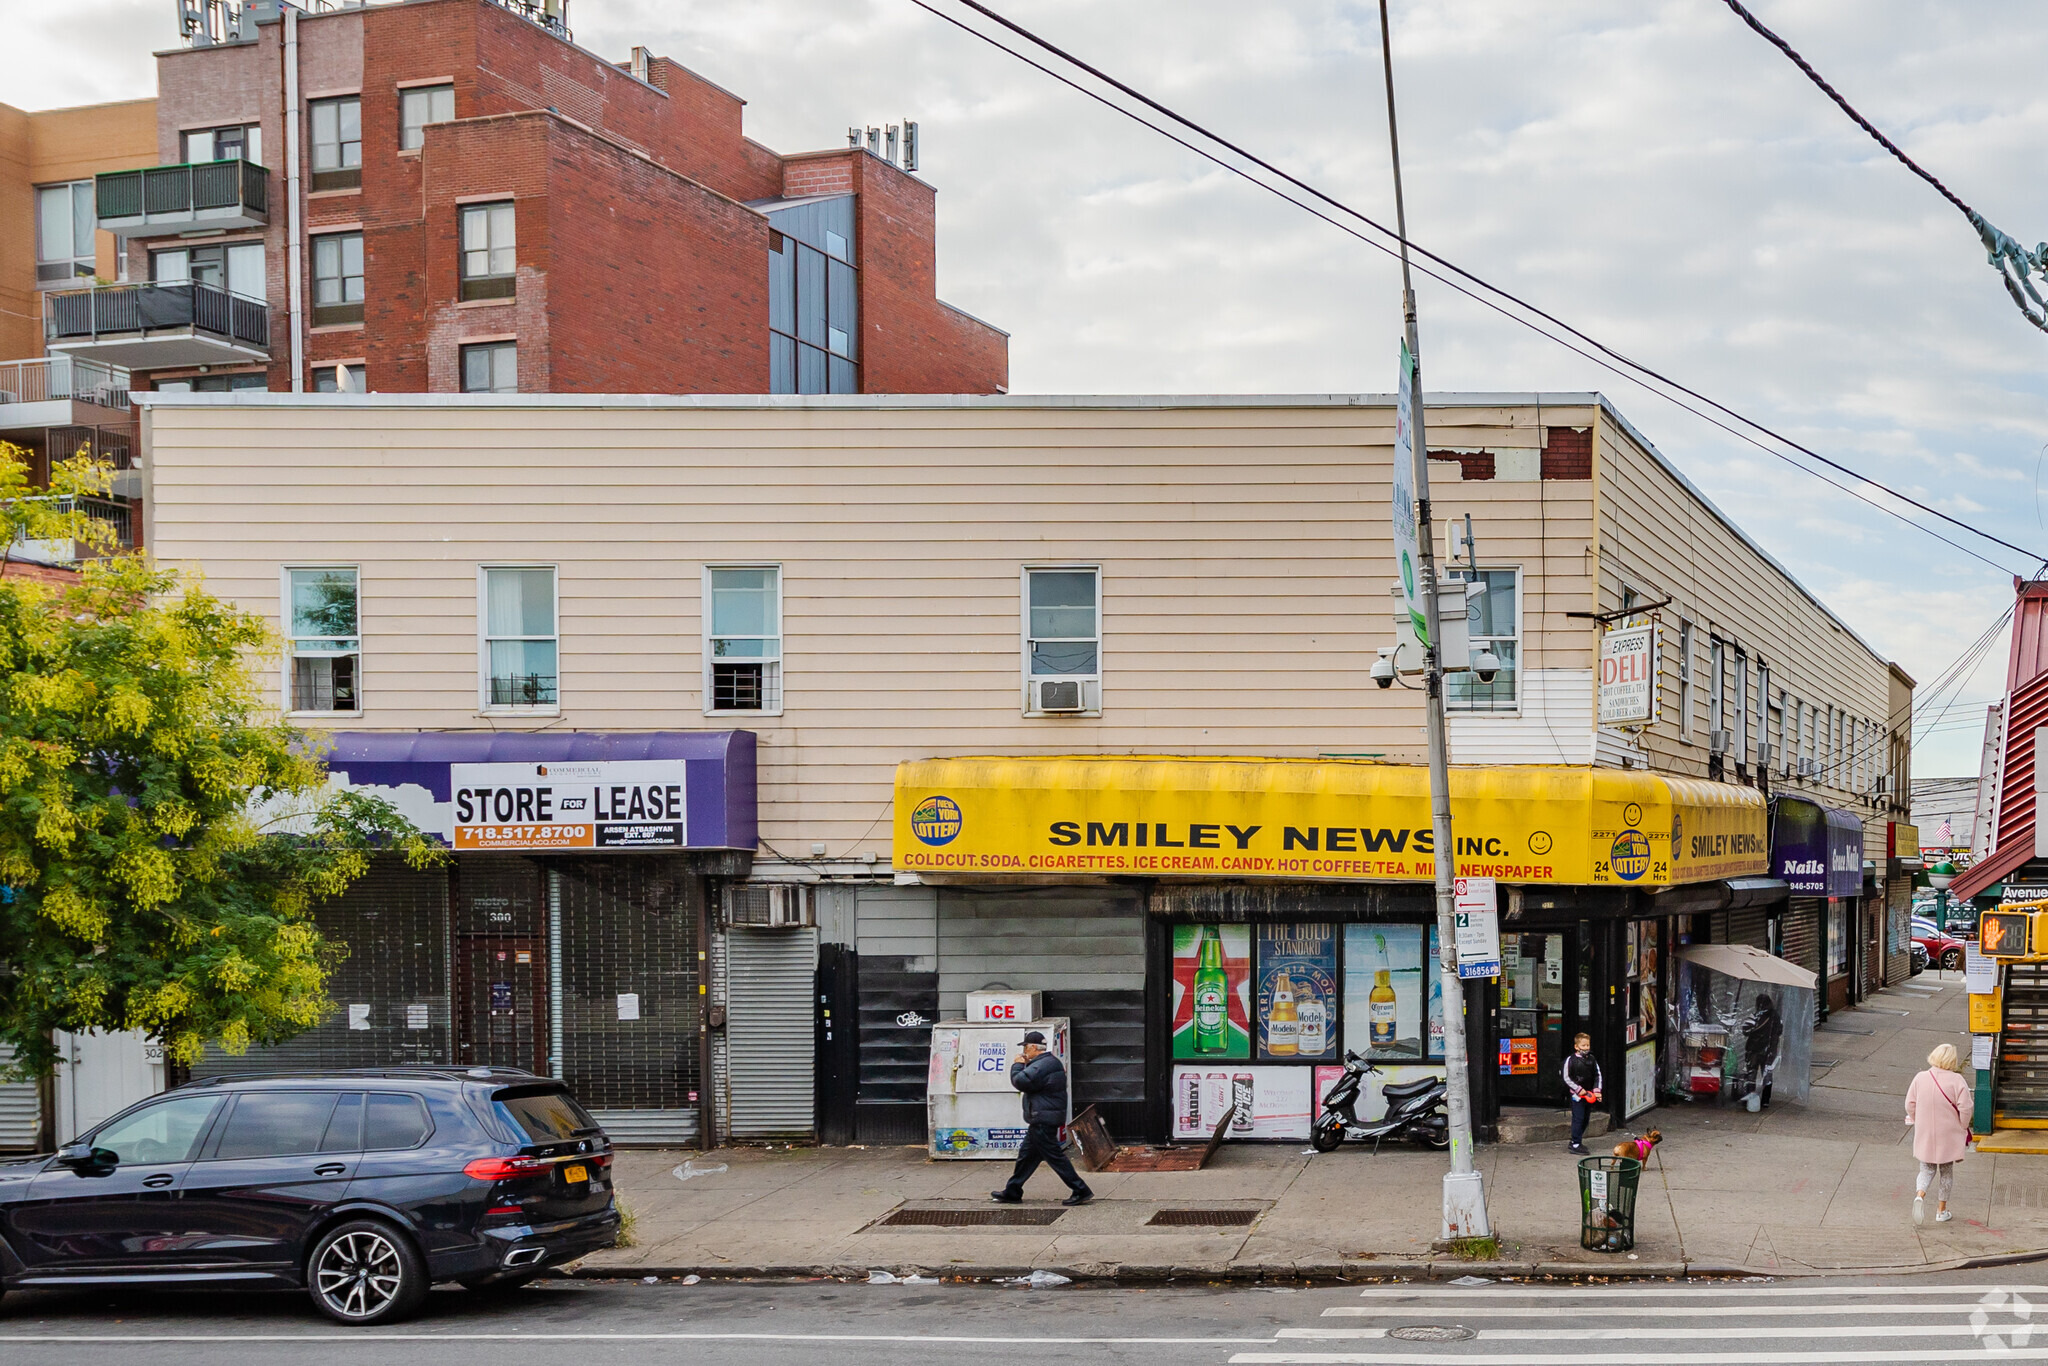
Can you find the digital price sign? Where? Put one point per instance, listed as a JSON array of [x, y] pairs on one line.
[[1518, 1056]]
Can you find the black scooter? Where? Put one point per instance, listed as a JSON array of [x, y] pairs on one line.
[[1415, 1111]]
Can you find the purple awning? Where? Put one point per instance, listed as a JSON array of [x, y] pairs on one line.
[[719, 765]]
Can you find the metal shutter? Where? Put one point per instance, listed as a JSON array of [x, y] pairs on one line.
[[1801, 930], [394, 925], [769, 1031], [21, 1109], [1749, 926], [630, 1008]]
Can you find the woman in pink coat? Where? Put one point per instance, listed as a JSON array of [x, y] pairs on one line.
[[1938, 1106]]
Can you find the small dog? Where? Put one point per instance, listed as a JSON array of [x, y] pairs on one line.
[[1639, 1148]]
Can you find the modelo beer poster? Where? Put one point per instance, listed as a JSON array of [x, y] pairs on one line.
[[603, 804], [1298, 1005], [1212, 992]]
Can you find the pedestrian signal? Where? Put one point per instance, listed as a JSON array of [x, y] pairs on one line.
[[2005, 934]]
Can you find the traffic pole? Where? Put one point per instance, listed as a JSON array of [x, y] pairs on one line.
[[1464, 1212]]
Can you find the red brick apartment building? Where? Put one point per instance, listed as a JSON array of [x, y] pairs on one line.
[[450, 195]]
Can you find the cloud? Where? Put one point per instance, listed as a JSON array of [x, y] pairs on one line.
[[1649, 169]]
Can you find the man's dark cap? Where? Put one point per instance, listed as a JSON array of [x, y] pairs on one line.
[[1034, 1036]]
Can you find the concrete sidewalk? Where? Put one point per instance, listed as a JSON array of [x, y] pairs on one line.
[[1826, 1187]]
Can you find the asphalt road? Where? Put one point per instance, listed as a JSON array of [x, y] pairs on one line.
[[1958, 1317]]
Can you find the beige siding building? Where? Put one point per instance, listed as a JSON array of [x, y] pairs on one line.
[[863, 582]]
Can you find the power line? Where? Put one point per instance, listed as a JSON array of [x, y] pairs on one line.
[[1641, 370], [2006, 254]]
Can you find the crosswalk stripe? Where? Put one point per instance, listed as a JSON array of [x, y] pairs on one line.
[[1832, 1357], [1776, 1330], [1637, 1292], [1647, 1311]]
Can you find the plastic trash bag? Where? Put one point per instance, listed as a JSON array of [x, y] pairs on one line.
[[690, 1169]]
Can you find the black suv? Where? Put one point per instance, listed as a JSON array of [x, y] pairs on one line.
[[364, 1187]]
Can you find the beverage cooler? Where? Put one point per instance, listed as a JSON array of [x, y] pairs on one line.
[[971, 1108]]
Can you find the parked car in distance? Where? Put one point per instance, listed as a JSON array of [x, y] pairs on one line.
[[362, 1187], [1918, 956], [1944, 950]]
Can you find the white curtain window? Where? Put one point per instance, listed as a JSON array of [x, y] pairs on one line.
[[421, 106], [519, 637], [1685, 685], [488, 240], [1739, 743]]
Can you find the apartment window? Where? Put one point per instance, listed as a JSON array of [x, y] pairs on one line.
[[1739, 742], [813, 299], [66, 231], [1774, 731], [1493, 616], [345, 378], [337, 129], [326, 645], [240, 381], [1763, 717], [1685, 684], [488, 251], [490, 368], [337, 278], [421, 106], [1717, 690], [1062, 631], [240, 142], [238, 269], [743, 638], [520, 642]]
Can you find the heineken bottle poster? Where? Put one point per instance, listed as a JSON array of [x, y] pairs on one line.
[[1297, 993], [1212, 999]]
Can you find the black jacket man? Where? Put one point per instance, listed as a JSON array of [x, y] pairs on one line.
[[1043, 1082]]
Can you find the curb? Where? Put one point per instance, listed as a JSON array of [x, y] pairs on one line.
[[1295, 1273]]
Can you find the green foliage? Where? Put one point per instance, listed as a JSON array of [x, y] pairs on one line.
[[164, 836]]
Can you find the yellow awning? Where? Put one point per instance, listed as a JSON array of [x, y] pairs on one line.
[[1319, 819]]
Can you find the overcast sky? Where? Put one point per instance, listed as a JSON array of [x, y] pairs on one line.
[[1648, 169]]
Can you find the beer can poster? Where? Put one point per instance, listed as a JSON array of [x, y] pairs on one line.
[[1212, 991], [1259, 1102], [1297, 993]]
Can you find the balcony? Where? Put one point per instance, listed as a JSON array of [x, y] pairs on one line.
[[185, 198], [61, 391], [147, 327], [118, 514]]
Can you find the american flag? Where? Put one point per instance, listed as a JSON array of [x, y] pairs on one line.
[[1944, 834]]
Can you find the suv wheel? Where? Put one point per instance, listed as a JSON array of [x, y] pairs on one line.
[[364, 1272]]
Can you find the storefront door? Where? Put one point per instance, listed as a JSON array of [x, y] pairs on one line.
[[1546, 997], [501, 1003]]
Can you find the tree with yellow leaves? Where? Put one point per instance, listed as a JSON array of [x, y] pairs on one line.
[[164, 835]]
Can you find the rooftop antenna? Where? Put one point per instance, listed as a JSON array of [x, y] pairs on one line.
[[909, 145]]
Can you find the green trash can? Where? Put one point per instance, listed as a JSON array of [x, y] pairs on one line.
[[1607, 1203]]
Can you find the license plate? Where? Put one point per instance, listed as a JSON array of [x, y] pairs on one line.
[[579, 1172]]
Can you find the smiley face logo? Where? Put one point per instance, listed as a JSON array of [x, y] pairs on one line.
[[1539, 843], [1632, 815]]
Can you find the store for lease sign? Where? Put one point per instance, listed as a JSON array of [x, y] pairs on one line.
[[625, 804]]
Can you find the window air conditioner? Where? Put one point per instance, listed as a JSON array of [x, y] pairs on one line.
[[1763, 755], [768, 905], [1808, 768], [1717, 741], [1059, 695], [1882, 786]]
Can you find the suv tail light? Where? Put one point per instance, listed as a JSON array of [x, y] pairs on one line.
[[507, 1168]]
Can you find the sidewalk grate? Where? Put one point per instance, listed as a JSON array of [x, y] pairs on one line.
[[1202, 1218], [971, 1218]]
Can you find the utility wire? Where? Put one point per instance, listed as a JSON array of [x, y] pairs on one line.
[[2008, 256], [1618, 358]]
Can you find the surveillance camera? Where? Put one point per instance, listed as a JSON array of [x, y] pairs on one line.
[[1485, 665], [1383, 669]]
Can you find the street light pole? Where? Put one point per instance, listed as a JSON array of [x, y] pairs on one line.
[[1464, 1188]]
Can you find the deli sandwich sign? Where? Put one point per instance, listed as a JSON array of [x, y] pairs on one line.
[[1628, 676], [625, 804]]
